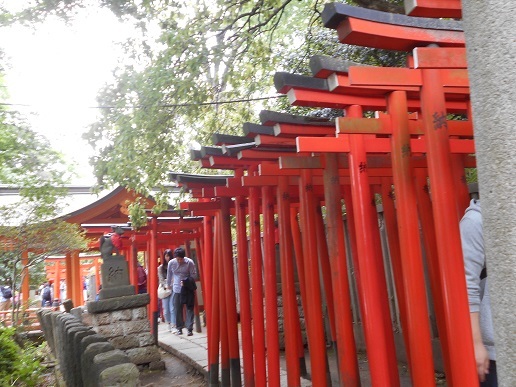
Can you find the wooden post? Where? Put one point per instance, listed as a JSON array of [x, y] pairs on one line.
[[298, 254], [418, 327], [271, 295], [447, 230], [313, 314], [26, 277], [291, 330], [212, 303], [230, 297], [244, 291], [257, 286], [377, 329], [225, 371], [345, 339]]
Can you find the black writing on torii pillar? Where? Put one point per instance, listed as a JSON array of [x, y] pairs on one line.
[[362, 167], [439, 120]]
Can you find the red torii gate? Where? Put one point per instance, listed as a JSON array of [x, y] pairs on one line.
[[421, 90]]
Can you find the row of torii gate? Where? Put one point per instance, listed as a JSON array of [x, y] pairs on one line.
[[292, 169], [168, 230]]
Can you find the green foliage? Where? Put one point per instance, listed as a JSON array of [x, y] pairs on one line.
[[137, 214], [207, 53], [18, 366], [471, 175], [198, 67], [29, 222], [27, 161]]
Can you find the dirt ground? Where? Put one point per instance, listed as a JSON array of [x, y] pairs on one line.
[[178, 373]]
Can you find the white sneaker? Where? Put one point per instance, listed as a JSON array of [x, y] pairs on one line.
[[169, 327]]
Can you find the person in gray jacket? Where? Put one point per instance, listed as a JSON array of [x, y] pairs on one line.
[[478, 293]]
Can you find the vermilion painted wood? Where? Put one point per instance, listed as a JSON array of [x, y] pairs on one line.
[[394, 76], [230, 291], [77, 287], [299, 259], [313, 313], [449, 247], [244, 290], [350, 217], [212, 283], [230, 192], [418, 328], [225, 369], [271, 296], [434, 8], [440, 57], [373, 144], [261, 155], [379, 337], [208, 192], [345, 339], [424, 205], [325, 99], [263, 140], [381, 125], [298, 253], [340, 83], [391, 226], [291, 329], [373, 161], [257, 286], [295, 130], [200, 206], [223, 162], [324, 263], [368, 33], [25, 276]]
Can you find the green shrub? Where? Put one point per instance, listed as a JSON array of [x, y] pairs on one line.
[[18, 366]]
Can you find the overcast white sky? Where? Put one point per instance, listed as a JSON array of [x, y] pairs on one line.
[[56, 70]]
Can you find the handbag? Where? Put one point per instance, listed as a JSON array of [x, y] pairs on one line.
[[163, 293]]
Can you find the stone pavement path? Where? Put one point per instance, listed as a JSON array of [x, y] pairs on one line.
[[178, 373]]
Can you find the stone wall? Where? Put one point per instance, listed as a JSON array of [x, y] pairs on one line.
[[85, 358], [123, 321]]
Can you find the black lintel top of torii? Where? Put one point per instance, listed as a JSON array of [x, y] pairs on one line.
[[323, 66], [333, 14], [270, 118]]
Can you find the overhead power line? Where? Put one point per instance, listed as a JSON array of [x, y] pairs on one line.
[[168, 105], [171, 105]]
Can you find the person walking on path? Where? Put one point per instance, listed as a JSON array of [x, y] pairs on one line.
[[142, 278], [169, 312], [478, 294], [180, 270], [5, 297], [47, 295]]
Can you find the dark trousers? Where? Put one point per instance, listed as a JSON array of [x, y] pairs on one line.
[[491, 378], [180, 323]]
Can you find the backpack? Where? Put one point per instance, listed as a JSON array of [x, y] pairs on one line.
[[46, 295], [7, 292]]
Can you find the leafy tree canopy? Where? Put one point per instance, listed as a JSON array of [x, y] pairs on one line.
[[196, 68], [28, 221]]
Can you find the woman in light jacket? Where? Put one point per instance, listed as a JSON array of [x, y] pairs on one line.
[[168, 305]]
